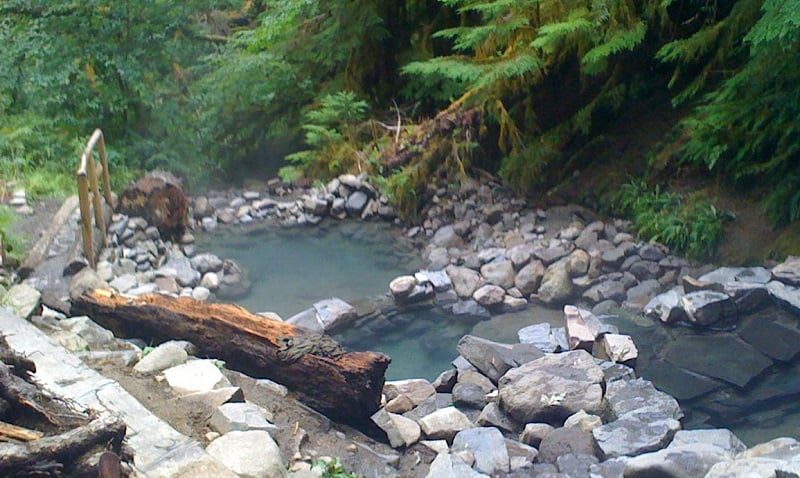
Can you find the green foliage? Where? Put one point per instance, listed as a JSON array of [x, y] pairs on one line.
[[331, 133], [13, 244], [693, 227], [334, 469], [747, 128]]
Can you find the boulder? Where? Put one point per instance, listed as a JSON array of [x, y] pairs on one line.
[[534, 433], [416, 389], [446, 465], [556, 286], [169, 354], [401, 431], [582, 327], [786, 295], [641, 294], [563, 441], [464, 280], [206, 263], [23, 300], [576, 464], [707, 307], [438, 279], [242, 416], [552, 387], [444, 424], [529, 278], [469, 395], [553, 253], [489, 296], [626, 396], [487, 446], [446, 237], [356, 203], [616, 348], [585, 421], [401, 287], [494, 359], [578, 263], [666, 307], [788, 272], [250, 454], [539, 336], [124, 283], [634, 433], [492, 416], [500, 273], [606, 290]]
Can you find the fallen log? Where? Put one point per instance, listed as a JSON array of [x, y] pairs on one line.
[[55, 451], [346, 386], [159, 198], [22, 394]]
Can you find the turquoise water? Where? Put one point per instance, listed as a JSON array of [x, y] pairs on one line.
[[291, 268]]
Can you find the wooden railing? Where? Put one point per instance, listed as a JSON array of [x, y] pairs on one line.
[[88, 188]]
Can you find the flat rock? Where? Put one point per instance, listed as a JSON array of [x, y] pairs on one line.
[[335, 313], [494, 359], [242, 416], [552, 387], [416, 389], [538, 335], [634, 433], [606, 290], [489, 295], [446, 465], [195, 376], [250, 454], [721, 356], [773, 337], [676, 461], [487, 446], [627, 396], [169, 354], [616, 348], [666, 307], [681, 384], [500, 273], [581, 327], [786, 295]]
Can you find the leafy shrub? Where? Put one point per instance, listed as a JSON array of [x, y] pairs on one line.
[[12, 243], [691, 227], [334, 469]]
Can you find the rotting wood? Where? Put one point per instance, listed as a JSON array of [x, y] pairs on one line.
[[346, 386], [104, 432], [159, 198]]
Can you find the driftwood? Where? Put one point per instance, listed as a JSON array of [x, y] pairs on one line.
[[15, 432], [159, 198], [346, 386], [21, 459]]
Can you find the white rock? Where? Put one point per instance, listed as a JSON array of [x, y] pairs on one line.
[[210, 281], [23, 300], [240, 417], [250, 454], [166, 355], [195, 376], [201, 294]]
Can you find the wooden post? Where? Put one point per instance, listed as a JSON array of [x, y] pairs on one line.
[[88, 184], [104, 164], [86, 218]]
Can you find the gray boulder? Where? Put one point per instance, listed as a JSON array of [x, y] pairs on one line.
[[529, 278], [563, 441], [166, 355], [444, 424], [707, 307], [464, 280], [788, 272], [556, 286], [446, 465], [446, 236], [581, 327], [538, 335], [489, 295], [356, 203], [637, 432], [206, 263], [552, 387], [499, 273], [23, 300], [487, 446], [666, 307], [401, 431], [494, 359], [625, 396]]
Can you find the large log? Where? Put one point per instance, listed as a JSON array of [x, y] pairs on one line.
[[159, 198], [346, 386]]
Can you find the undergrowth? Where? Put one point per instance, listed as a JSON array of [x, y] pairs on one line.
[[334, 469], [12, 243], [688, 225]]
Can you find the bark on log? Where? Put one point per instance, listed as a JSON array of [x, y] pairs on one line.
[[61, 449], [346, 386], [159, 198]]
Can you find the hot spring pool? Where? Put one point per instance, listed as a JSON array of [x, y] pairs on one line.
[[291, 268]]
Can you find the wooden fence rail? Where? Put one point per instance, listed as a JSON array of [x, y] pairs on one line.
[[89, 193]]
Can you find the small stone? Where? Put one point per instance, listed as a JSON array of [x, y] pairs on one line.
[[489, 296], [707, 307], [250, 454], [563, 441], [195, 376], [417, 390], [166, 355], [444, 424], [581, 327], [534, 433], [583, 420], [239, 417], [201, 293], [616, 348], [401, 431], [401, 287], [487, 446]]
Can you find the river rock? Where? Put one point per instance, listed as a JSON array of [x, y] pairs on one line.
[[356, 203], [446, 237], [538, 335], [169, 354], [334, 313], [401, 431], [464, 280], [529, 278], [206, 263], [606, 290], [563, 441], [210, 281], [489, 295], [576, 464], [181, 269], [676, 461], [634, 433], [492, 416], [641, 294], [582, 327], [578, 263], [437, 278], [470, 308], [788, 272], [553, 253], [616, 348], [416, 389], [195, 376], [494, 359], [534, 433], [499, 273], [552, 387], [707, 307], [556, 286], [585, 421], [520, 255], [446, 465], [23, 300], [444, 424], [626, 396], [488, 447], [469, 395], [250, 454], [666, 307], [241, 416], [315, 205], [401, 287]]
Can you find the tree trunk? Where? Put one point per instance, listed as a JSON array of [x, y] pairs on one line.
[[346, 386], [159, 198]]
